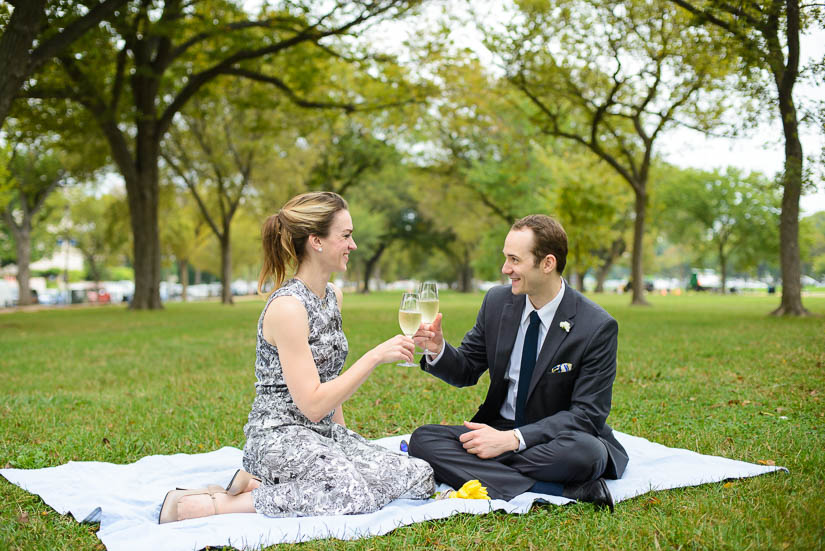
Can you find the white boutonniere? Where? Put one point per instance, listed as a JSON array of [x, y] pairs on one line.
[[565, 325]]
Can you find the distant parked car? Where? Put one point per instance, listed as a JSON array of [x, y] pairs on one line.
[[9, 293], [53, 297], [98, 297], [648, 286]]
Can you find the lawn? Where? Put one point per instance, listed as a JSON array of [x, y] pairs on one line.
[[714, 374]]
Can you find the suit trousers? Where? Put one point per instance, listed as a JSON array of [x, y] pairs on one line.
[[573, 456]]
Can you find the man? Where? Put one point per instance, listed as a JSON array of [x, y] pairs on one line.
[[551, 354]]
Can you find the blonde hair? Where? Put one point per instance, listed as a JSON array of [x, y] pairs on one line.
[[285, 233]]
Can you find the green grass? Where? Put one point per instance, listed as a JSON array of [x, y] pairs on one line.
[[712, 374]]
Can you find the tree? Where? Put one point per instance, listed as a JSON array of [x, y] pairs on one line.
[[611, 77], [384, 212], [99, 226], [7, 255], [46, 149], [35, 31], [588, 200], [812, 240], [32, 176], [220, 140], [725, 215], [137, 73], [484, 143], [184, 231], [349, 156], [766, 35]]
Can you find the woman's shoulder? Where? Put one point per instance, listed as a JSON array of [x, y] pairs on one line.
[[284, 313], [287, 299]]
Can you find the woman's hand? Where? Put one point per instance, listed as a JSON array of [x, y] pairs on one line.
[[397, 349]]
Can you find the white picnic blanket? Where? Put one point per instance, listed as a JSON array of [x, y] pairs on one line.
[[126, 499]]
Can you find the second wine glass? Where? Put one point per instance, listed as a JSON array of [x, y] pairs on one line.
[[409, 317], [428, 303]]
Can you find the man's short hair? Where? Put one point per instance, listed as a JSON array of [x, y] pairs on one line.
[[549, 237]]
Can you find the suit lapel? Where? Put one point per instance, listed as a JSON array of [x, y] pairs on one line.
[[555, 335], [507, 331]]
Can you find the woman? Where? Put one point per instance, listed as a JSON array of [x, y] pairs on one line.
[[299, 458]]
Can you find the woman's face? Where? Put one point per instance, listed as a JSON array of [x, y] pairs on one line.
[[338, 244]]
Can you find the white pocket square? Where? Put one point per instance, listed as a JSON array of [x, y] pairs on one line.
[[562, 368]]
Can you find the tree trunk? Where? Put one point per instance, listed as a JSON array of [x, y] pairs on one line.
[[22, 240], [636, 271], [580, 282], [371, 263], [616, 249], [94, 269], [723, 267], [143, 211], [226, 267], [785, 78], [789, 259], [791, 304], [183, 268], [466, 271]]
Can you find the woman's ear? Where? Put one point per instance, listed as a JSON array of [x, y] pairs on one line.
[[314, 242]]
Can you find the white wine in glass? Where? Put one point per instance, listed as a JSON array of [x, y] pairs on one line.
[[409, 318], [428, 303]]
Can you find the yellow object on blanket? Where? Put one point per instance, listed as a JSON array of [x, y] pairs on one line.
[[472, 489]]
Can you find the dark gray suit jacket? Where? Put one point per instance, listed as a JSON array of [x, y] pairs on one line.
[[577, 400]]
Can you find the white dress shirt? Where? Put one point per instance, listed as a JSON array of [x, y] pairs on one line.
[[546, 314]]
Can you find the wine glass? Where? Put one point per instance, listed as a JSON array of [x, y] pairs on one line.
[[409, 318], [428, 303]]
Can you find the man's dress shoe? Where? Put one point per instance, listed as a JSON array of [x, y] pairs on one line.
[[592, 491]]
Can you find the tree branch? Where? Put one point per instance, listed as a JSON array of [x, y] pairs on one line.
[[290, 93], [186, 180], [227, 65], [117, 87], [56, 44], [231, 27], [710, 18]]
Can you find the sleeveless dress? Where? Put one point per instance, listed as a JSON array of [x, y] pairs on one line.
[[318, 468]]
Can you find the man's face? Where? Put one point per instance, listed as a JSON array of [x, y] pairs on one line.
[[520, 264]]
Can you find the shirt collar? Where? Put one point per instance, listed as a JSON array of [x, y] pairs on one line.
[[546, 312]]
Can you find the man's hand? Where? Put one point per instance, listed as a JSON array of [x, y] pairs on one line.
[[430, 336], [487, 442]]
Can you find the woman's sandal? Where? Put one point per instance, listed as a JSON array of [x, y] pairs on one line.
[[240, 481], [169, 508]]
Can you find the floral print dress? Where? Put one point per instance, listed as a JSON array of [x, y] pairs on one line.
[[318, 468]]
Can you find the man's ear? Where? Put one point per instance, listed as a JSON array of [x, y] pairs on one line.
[[548, 264]]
